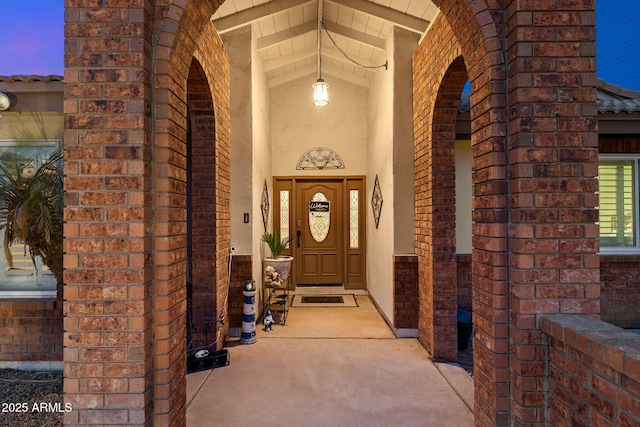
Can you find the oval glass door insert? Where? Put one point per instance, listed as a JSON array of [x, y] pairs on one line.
[[319, 217]]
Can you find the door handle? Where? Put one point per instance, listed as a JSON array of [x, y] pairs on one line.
[[298, 235]]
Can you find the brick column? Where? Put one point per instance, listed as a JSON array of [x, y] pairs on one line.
[[107, 292], [552, 157]]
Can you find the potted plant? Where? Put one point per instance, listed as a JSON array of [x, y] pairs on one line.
[[280, 263], [275, 243]]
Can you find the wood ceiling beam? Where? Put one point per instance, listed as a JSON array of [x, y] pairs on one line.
[[247, 16], [373, 41], [344, 75], [398, 18], [312, 26], [281, 36], [310, 51], [281, 61], [334, 53], [290, 76], [313, 69]]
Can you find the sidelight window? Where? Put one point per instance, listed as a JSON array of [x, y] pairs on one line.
[[284, 215], [353, 219]]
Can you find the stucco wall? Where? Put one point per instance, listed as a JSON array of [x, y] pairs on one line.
[[298, 125], [380, 149], [261, 163], [242, 122], [463, 196]]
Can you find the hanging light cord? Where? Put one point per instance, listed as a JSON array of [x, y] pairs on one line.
[[320, 25], [356, 63]]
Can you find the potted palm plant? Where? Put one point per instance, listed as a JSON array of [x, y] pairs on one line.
[[280, 263], [31, 210]]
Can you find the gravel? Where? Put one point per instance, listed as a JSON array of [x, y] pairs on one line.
[[31, 399]]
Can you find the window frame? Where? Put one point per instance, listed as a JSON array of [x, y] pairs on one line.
[[621, 250]]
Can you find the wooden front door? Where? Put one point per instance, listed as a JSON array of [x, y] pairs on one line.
[[319, 232], [327, 218]]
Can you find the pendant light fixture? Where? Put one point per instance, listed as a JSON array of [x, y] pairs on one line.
[[320, 87]]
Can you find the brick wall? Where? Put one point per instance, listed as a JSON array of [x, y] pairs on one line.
[[201, 224], [552, 153], [405, 289], [463, 267], [241, 273], [30, 330], [108, 254], [405, 275], [620, 290], [594, 373]]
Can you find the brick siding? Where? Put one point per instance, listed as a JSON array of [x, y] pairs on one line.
[[241, 273], [405, 289], [30, 330], [620, 290], [594, 373]]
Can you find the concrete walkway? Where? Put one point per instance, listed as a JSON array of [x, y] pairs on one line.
[[330, 367]]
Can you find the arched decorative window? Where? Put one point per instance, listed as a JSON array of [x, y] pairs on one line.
[[319, 217]]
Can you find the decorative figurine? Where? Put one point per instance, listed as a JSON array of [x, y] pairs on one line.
[[268, 321], [272, 277], [248, 335]]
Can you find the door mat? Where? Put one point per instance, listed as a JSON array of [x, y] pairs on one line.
[[319, 301]]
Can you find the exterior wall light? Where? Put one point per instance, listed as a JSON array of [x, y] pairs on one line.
[[5, 102]]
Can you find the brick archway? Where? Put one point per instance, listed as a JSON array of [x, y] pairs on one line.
[[440, 78], [529, 128], [125, 278], [192, 93], [125, 152], [202, 302], [436, 208]]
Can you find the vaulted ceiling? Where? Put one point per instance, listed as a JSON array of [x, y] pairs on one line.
[[287, 33]]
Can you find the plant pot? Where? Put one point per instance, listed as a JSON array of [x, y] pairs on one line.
[[281, 264]]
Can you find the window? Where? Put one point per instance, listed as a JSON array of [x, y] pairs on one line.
[[20, 276], [354, 233], [284, 215], [619, 195]]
